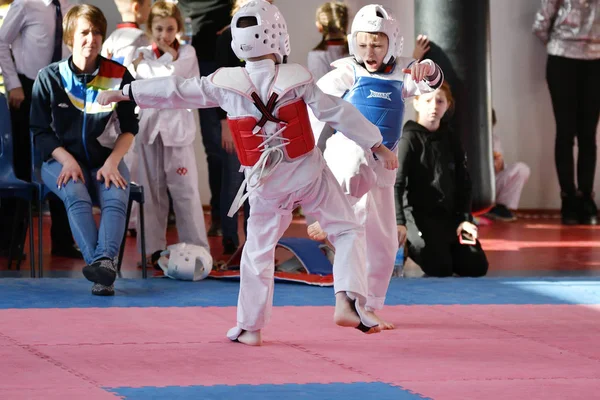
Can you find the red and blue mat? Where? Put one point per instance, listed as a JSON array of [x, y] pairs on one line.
[[489, 338]]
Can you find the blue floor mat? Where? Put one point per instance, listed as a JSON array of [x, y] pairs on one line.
[[350, 391], [159, 292]]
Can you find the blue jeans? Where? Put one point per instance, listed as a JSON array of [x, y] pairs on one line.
[[232, 179], [210, 125], [94, 242]]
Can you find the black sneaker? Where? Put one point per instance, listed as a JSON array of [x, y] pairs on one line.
[[569, 210], [215, 229], [153, 260], [589, 211], [101, 290], [102, 271], [229, 247], [501, 213]]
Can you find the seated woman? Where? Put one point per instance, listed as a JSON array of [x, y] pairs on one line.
[[83, 143], [433, 195]]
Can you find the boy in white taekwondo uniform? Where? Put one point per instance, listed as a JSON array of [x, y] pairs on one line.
[[266, 106], [376, 81]]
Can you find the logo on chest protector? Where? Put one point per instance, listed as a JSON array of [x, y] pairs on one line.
[[380, 95]]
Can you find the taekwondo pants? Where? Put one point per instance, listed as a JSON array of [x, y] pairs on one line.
[[323, 200], [161, 167], [509, 184], [370, 191]]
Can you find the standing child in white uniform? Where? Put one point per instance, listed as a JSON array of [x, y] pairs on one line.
[[122, 44], [332, 23], [266, 105], [375, 80], [165, 152]]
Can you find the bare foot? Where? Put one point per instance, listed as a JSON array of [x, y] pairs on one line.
[[345, 314], [250, 338], [383, 324], [315, 232]]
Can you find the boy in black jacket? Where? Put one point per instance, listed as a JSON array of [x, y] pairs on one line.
[[433, 195]]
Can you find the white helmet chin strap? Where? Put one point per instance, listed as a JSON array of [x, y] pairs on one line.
[[374, 18]]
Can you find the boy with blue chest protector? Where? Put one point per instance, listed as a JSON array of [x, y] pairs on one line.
[[376, 80]]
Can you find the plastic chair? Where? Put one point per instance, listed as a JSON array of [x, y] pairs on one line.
[[11, 186], [136, 193]]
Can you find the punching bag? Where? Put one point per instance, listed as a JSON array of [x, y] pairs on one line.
[[459, 31]]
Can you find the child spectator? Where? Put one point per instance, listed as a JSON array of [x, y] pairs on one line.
[[164, 147], [510, 179], [122, 44], [332, 23], [433, 195]]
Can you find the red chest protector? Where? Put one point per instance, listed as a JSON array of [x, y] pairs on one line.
[[294, 137]]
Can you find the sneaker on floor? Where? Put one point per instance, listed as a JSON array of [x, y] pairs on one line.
[[569, 211], [589, 211], [215, 229], [229, 247], [103, 271], [153, 260], [101, 290], [501, 213]]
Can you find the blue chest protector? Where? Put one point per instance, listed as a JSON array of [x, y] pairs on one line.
[[381, 102]]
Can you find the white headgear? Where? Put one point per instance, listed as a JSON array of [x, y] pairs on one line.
[[186, 262], [268, 36], [366, 20]]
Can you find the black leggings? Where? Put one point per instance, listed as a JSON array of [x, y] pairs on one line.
[[575, 91], [433, 244]]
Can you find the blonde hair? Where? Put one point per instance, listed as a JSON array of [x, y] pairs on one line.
[[333, 18], [124, 6], [92, 13], [237, 4], [162, 9]]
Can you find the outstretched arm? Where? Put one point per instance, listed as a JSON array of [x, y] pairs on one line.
[[167, 92]]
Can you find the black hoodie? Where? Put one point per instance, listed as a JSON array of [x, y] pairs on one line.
[[432, 173]]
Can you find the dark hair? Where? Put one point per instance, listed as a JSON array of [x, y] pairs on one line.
[[494, 117], [87, 11]]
